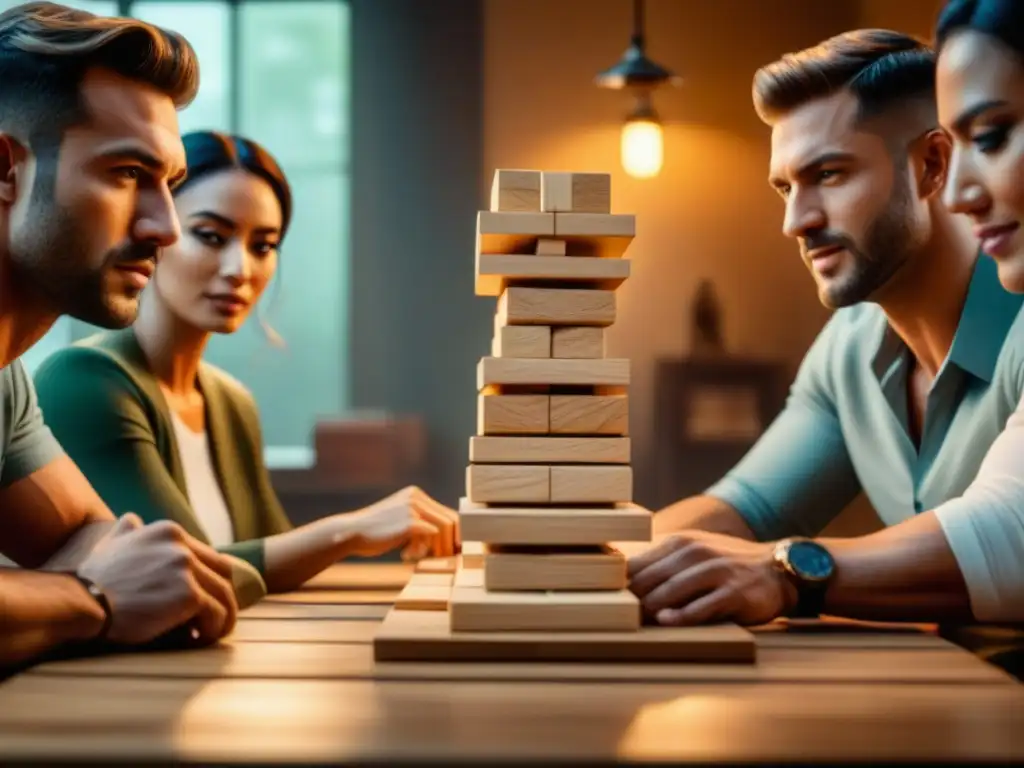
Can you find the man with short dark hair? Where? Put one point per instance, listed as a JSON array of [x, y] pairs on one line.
[[900, 396], [89, 149]]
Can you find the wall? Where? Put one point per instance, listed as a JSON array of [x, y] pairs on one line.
[[417, 141], [710, 214], [915, 17]]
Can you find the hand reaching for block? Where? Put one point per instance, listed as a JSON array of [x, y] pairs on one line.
[[408, 518]]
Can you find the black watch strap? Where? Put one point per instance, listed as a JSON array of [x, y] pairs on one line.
[[97, 594], [810, 600]]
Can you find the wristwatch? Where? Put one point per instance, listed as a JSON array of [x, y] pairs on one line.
[[809, 567], [96, 593]]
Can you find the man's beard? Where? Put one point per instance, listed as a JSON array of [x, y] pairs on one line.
[[888, 245], [52, 262]]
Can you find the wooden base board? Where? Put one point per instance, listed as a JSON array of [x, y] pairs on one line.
[[427, 636]]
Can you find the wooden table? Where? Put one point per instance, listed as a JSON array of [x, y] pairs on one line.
[[296, 683]]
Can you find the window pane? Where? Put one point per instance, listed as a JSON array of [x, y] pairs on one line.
[[206, 26], [307, 305], [294, 80]]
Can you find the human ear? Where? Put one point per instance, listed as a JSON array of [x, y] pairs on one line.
[[931, 155], [12, 154]]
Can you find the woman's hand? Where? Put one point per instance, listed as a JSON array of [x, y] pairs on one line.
[[407, 517]]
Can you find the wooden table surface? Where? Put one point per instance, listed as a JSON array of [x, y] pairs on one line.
[[296, 683]]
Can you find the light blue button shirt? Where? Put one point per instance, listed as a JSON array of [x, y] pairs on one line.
[[845, 425]]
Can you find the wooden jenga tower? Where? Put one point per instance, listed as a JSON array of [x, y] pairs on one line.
[[549, 482]]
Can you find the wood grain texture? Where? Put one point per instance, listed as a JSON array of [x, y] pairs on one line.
[[472, 608], [506, 371], [554, 525], [589, 414], [543, 568], [520, 305], [582, 343], [496, 272], [512, 414], [549, 449], [515, 190], [246, 721]]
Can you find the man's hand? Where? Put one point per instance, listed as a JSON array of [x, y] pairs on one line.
[[158, 579], [701, 578]]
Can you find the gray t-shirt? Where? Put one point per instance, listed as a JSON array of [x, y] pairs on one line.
[[26, 443]]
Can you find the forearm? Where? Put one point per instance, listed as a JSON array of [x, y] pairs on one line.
[[903, 573], [43, 611], [294, 557], [78, 547], [702, 513]]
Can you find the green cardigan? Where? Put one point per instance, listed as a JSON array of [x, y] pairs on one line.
[[107, 410]]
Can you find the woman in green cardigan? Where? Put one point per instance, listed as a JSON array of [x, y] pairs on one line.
[[163, 434]]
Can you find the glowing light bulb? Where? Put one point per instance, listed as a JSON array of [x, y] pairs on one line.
[[642, 148]]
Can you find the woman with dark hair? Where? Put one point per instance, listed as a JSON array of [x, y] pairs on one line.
[[161, 433], [980, 93]]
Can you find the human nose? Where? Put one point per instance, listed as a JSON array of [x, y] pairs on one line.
[[964, 192], [157, 221], [234, 263], [803, 214]]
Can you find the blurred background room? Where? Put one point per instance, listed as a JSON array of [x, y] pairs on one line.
[[390, 117]]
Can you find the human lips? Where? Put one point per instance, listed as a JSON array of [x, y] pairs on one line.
[[997, 239]]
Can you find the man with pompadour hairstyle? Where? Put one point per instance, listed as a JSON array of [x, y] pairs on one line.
[[89, 151], [900, 396]]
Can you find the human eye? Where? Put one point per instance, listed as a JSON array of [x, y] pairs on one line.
[[264, 249], [209, 237], [991, 139], [128, 172]]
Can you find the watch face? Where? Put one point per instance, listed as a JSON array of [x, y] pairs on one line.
[[811, 561]]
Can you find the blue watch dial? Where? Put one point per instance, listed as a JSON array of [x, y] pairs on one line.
[[810, 561]]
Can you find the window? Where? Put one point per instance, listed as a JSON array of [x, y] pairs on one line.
[[276, 72]]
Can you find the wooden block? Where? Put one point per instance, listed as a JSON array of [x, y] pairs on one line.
[[554, 525], [557, 568], [512, 414], [409, 636], [437, 565], [564, 191], [511, 231], [473, 553], [505, 484], [547, 246], [591, 485], [421, 595], [569, 342], [496, 272], [607, 235], [515, 190], [533, 341], [589, 414], [592, 192], [544, 450], [509, 371], [556, 306], [474, 609], [556, 191]]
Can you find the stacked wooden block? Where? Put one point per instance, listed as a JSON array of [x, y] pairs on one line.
[[549, 483]]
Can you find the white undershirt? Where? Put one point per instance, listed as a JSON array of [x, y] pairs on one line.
[[204, 493], [985, 528]]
